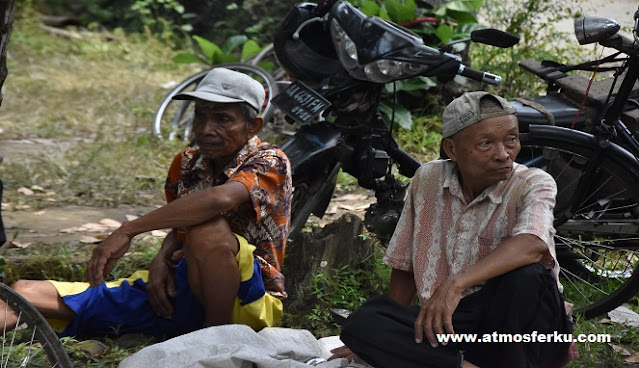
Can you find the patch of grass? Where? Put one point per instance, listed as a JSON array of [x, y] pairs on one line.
[[345, 288], [92, 96], [69, 262], [604, 354], [423, 140]]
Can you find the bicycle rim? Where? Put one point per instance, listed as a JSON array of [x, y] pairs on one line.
[[33, 343], [597, 239], [173, 119]]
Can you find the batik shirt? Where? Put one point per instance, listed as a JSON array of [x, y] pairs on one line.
[[264, 222], [439, 234]]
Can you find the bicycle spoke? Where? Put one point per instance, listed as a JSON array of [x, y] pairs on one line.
[[13, 338], [564, 271], [597, 220]]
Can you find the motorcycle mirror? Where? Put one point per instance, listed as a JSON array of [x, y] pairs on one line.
[[595, 29], [494, 37]]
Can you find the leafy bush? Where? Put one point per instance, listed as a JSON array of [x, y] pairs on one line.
[[534, 22]]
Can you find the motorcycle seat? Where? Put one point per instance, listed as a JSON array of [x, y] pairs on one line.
[[547, 110]]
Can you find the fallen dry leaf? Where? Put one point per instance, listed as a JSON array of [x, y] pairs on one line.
[[23, 207], [37, 188], [634, 358], [352, 197], [624, 316], [353, 208], [131, 217], [621, 350], [25, 191], [40, 213], [89, 240], [91, 226], [110, 223], [18, 244], [331, 210], [5, 206]]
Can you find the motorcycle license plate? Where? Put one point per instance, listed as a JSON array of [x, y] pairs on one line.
[[300, 102]]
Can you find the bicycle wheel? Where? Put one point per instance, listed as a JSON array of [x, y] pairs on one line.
[[597, 235], [173, 119], [33, 343]]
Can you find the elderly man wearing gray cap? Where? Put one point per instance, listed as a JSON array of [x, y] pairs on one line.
[[475, 245], [228, 210]]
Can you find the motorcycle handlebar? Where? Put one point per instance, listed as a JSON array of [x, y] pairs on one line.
[[479, 75]]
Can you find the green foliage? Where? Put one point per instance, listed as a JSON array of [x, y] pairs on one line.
[[345, 288], [422, 141], [165, 19], [211, 54], [533, 21]]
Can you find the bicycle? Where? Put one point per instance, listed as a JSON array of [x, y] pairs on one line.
[[597, 173], [31, 342]]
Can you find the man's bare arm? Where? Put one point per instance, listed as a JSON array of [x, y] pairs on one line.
[[186, 211], [402, 286], [435, 316], [191, 209], [515, 252]]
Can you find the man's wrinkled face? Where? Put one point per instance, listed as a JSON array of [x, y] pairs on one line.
[[485, 151], [220, 129]]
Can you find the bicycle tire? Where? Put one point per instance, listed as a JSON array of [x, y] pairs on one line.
[[33, 330], [597, 239], [174, 117]]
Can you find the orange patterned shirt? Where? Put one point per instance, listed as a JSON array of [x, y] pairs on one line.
[[264, 222]]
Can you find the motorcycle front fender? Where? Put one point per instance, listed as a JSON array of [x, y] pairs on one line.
[[312, 150]]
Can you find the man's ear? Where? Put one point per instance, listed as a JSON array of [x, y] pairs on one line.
[[256, 126], [448, 145]]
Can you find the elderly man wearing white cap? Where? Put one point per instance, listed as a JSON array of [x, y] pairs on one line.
[[475, 245], [228, 210]]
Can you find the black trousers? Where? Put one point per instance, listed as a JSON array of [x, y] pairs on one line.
[[381, 332]]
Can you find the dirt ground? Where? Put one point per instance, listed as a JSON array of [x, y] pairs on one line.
[[55, 225], [26, 225]]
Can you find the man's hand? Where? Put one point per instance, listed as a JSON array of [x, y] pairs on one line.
[[343, 352], [106, 255], [436, 315], [161, 285]]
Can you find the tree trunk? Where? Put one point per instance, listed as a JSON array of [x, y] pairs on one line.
[[336, 245], [6, 25]]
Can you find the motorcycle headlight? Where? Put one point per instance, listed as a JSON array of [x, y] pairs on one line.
[[346, 48], [386, 70]]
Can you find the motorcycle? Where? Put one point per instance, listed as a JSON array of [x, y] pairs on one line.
[[339, 60]]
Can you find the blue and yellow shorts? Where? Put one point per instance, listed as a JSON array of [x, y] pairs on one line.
[[121, 306]]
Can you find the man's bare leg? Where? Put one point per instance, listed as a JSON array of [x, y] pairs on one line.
[[43, 296], [210, 249]]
